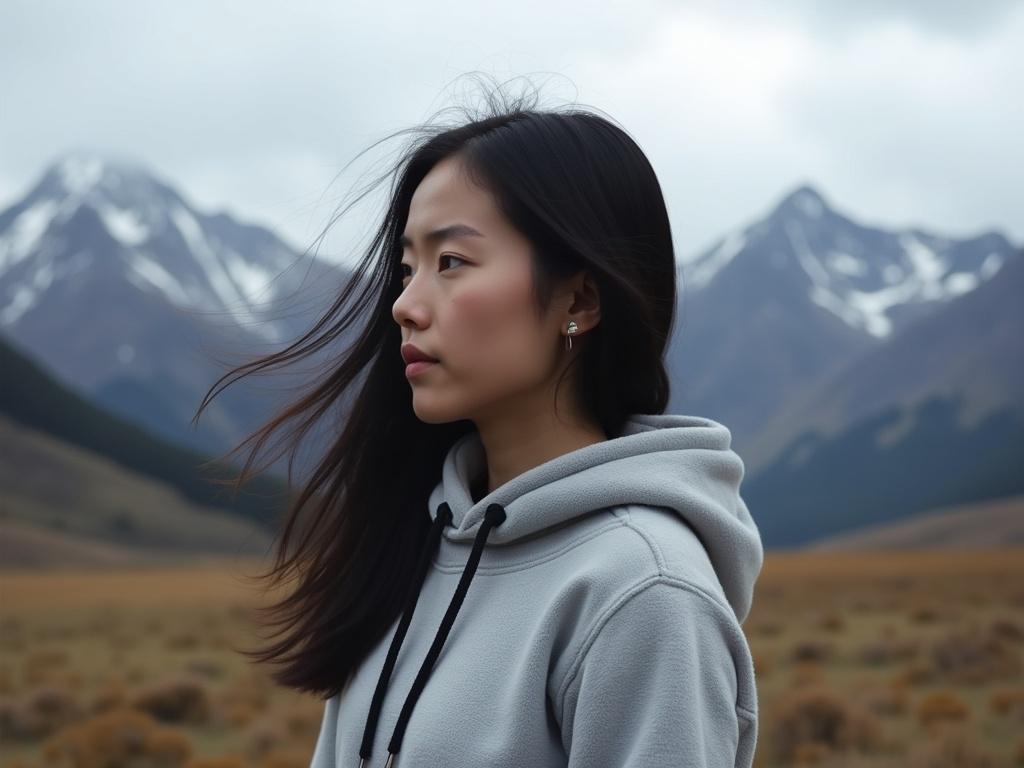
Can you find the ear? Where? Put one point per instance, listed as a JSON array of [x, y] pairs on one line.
[[583, 302]]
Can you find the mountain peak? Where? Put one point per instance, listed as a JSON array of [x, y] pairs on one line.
[[803, 202], [78, 171]]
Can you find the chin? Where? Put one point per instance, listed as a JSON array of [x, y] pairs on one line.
[[434, 412]]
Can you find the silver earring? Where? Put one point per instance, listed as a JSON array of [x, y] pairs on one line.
[[572, 329]]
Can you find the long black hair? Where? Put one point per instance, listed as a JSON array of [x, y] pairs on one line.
[[585, 195]]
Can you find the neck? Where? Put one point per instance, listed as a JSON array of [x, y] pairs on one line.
[[514, 447]]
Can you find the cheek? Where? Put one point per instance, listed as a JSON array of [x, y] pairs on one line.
[[493, 324]]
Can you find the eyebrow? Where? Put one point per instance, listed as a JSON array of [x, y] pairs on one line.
[[443, 233]]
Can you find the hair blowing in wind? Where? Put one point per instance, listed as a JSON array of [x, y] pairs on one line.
[[580, 189]]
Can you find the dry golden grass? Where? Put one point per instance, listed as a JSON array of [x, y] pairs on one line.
[[140, 662], [890, 659], [863, 660]]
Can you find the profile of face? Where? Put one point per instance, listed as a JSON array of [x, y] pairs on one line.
[[466, 300]]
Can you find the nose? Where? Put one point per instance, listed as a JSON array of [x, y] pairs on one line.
[[409, 310]]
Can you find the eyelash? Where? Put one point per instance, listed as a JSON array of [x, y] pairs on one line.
[[450, 255]]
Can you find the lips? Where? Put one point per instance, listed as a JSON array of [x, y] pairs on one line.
[[413, 354], [414, 369]]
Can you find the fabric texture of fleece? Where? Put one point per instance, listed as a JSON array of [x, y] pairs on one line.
[[602, 628]]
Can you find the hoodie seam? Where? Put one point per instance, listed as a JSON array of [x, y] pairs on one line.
[[522, 565], [599, 624], [659, 556]]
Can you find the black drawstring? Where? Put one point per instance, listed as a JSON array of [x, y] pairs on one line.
[[443, 518], [494, 516]]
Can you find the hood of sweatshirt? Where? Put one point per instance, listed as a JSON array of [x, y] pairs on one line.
[[683, 463]]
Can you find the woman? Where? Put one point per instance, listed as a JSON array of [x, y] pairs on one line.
[[512, 557]]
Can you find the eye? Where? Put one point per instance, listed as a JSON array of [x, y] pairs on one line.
[[452, 256], [403, 266]]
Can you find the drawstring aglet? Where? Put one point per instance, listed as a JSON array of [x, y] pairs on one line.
[[391, 760]]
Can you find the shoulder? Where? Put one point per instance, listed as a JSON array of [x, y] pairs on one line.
[[660, 637], [628, 559], [644, 543]]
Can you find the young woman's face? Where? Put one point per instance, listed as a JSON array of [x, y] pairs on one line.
[[466, 301]]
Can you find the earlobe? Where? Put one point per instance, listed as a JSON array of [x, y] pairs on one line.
[[584, 305], [587, 304]]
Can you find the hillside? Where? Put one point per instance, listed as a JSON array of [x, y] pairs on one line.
[[982, 525], [59, 502]]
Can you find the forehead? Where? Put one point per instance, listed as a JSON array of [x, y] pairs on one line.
[[447, 194]]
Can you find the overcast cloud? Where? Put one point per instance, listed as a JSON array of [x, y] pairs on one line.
[[902, 114]]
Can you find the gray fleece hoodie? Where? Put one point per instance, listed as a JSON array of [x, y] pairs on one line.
[[585, 614]]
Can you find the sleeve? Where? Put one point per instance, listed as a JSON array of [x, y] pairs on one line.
[[325, 750], [655, 685]]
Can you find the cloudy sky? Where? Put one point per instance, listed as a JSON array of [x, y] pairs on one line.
[[900, 113]]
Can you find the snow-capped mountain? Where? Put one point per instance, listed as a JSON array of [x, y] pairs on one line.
[[159, 243], [871, 279], [124, 290], [969, 351], [775, 306]]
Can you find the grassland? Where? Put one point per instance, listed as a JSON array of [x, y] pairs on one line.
[[885, 659]]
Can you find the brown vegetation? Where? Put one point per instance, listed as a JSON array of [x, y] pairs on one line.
[[862, 661]]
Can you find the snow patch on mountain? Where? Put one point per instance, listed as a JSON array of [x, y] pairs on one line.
[[235, 283], [22, 237], [702, 271], [152, 274], [809, 203], [928, 267], [79, 172], [125, 225]]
